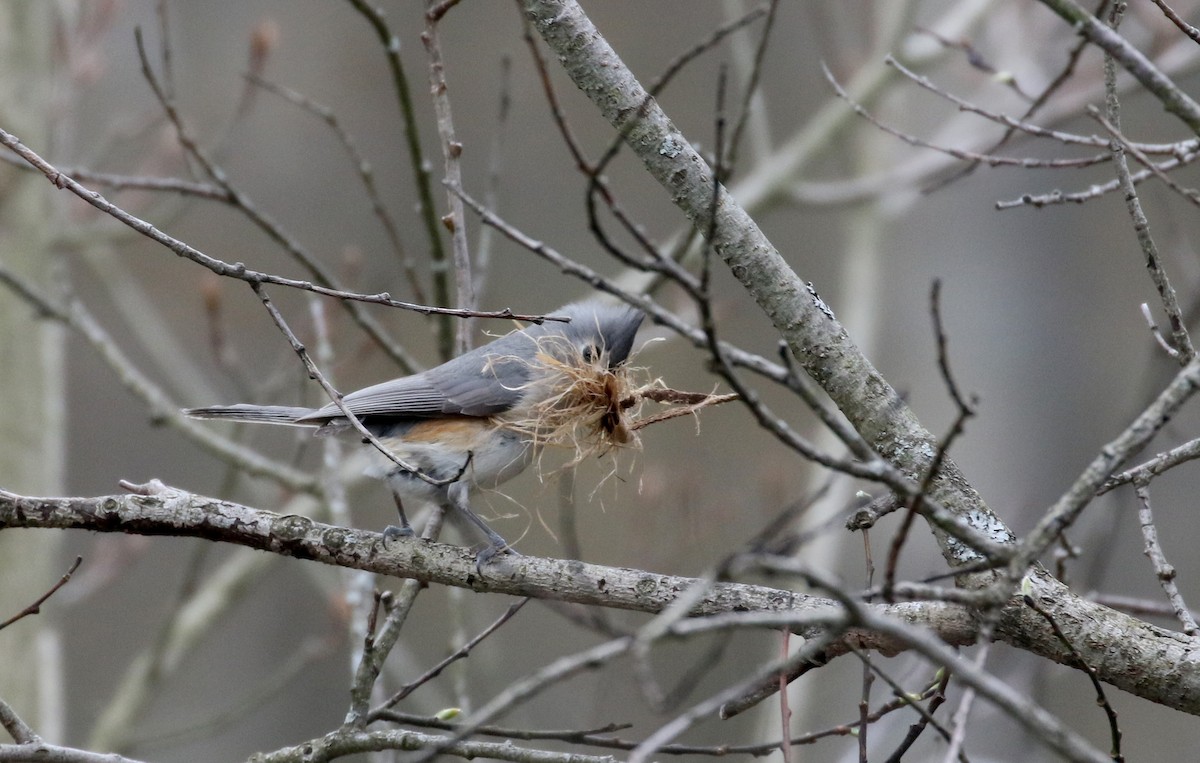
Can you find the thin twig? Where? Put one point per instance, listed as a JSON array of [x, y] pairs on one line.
[[1141, 226], [236, 270], [868, 677], [668, 731], [967, 156], [365, 171], [461, 653], [160, 407], [1064, 74], [491, 192], [36, 606], [389, 43], [1096, 190], [600, 738], [380, 644], [752, 96], [1157, 334], [522, 690], [1068, 507], [1163, 570], [975, 58], [1114, 729], [131, 182], [455, 220], [965, 411], [1136, 606], [1191, 194], [937, 697], [1191, 31], [1160, 464], [1029, 128]]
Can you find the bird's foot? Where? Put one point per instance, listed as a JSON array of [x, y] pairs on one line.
[[392, 532], [488, 552]]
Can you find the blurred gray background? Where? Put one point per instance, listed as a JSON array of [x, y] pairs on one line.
[[1041, 308]]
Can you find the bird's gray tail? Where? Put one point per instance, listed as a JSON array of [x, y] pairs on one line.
[[258, 414]]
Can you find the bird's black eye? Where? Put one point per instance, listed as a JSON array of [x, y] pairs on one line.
[[590, 353]]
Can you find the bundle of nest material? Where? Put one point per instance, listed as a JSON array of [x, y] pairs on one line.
[[578, 402]]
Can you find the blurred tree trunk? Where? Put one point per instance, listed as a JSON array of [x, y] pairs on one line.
[[31, 369]]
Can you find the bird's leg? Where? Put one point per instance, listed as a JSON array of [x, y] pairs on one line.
[[405, 530], [457, 495]]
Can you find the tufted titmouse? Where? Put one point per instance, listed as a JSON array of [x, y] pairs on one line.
[[455, 423]]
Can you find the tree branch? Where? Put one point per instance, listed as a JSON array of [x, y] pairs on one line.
[[1125, 652], [155, 509]]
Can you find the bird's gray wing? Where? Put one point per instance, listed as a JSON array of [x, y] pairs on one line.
[[406, 396], [482, 382]]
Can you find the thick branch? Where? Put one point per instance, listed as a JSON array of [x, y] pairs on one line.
[[1126, 652], [159, 510]]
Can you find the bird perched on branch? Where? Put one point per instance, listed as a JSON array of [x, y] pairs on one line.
[[476, 421]]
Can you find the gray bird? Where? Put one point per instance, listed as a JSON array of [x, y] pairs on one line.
[[453, 423]]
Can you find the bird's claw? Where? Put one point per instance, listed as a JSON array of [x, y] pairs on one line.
[[392, 532], [487, 553]]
